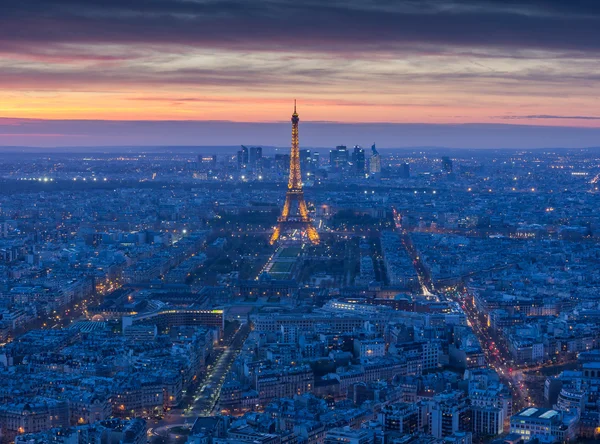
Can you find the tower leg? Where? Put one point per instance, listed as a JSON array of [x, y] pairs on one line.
[[302, 209], [286, 207], [313, 236], [275, 235], [297, 199]]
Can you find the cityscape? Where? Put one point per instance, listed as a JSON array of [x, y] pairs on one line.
[[388, 296], [309, 222]]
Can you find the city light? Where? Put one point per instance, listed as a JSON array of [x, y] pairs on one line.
[[209, 294]]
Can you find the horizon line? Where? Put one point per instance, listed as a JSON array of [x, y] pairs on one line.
[[515, 121], [412, 147]]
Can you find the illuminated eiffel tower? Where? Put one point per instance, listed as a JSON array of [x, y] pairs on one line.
[[295, 214]]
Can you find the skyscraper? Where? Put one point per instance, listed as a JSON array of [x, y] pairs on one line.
[[338, 158], [316, 160], [375, 161], [405, 170], [282, 163], [242, 157], [358, 160], [255, 157], [207, 162], [305, 161], [447, 164]]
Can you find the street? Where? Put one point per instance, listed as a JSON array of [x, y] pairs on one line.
[[496, 355], [205, 399]]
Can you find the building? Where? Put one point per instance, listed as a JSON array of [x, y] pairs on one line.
[[405, 170], [316, 159], [487, 421], [255, 156], [130, 431], [207, 162], [369, 348], [358, 160], [283, 382], [459, 438], [428, 351], [400, 417], [491, 407], [141, 332], [282, 163], [446, 164], [32, 417], [545, 424], [168, 318], [525, 350], [306, 162], [449, 412], [375, 161], [346, 435], [338, 158], [243, 158]]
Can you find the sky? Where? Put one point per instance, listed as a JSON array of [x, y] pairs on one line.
[[457, 73]]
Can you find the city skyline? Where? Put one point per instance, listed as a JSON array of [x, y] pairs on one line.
[[175, 296], [411, 258], [524, 63]]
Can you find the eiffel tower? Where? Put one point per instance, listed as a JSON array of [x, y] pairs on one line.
[[295, 214]]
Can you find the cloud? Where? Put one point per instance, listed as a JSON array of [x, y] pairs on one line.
[[30, 135], [279, 101], [546, 116], [338, 26], [261, 45], [353, 60], [275, 73]]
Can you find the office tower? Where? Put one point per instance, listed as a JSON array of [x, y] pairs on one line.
[[242, 157], [338, 158], [207, 162], [447, 164], [305, 160], [282, 163], [305, 157], [306, 163], [255, 157], [375, 161], [316, 160], [405, 170], [358, 160], [297, 218]]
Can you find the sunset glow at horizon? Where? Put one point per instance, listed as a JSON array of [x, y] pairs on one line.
[[420, 98], [453, 62]]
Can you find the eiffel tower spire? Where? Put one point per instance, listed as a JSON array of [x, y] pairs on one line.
[[294, 197]]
